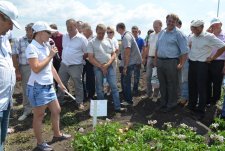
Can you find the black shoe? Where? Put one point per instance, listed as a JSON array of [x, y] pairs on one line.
[[168, 109], [189, 108], [135, 93], [199, 116]]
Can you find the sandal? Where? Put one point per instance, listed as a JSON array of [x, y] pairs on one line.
[[61, 138]]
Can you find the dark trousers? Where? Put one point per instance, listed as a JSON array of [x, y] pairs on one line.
[[89, 85], [198, 82], [126, 83], [215, 81], [167, 74]]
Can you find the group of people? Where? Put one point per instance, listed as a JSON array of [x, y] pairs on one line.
[[189, 68]]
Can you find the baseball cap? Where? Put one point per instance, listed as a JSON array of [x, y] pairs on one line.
[[214, 21], [8, 9], [42, 26], [197, 23]]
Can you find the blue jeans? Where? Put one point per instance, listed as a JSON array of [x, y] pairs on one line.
[[184, 88], [126, 81], [111, 79], [4, 122], [137, 73]]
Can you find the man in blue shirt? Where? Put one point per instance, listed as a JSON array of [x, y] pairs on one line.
[[137, 68], [171, 53], [8, 16]]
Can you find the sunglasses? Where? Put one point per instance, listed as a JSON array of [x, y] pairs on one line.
[[109, 32], [134, 31], [5, 17], [48, 32]]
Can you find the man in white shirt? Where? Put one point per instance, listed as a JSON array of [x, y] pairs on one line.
[[73, 54], [150, 52], [8, 16], [101, 54], [201, 45]]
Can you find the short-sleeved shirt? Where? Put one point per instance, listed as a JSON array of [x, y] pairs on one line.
[[115, 43], [153, 37], [101, 49], [171, 44], [74, 49], [128, 41], [7, 73], [140, 43], [202, 45], [36, 50], [19, 48], [221, 36]]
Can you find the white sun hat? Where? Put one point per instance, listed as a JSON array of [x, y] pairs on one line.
[[42, 26], [8, 9]]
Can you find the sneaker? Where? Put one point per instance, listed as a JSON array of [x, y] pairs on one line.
[[126, 103], [44, 147], [155, 99], [61, 138], [121, 110], [10, 130], [22, 117], [147, 96]]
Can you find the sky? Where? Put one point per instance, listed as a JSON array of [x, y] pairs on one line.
[[141, 13]]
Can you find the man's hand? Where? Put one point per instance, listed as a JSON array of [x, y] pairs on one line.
[[124, 70], [209, 59], [104, 69], [18, 76], [144, 60], [179, 66]]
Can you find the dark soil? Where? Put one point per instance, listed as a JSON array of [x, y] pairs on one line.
[[72, 119]]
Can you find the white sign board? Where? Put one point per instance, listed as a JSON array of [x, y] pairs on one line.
[[98, 108]]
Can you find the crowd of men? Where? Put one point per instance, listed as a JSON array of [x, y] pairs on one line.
[[185, 73], [189, 69], [88, 60]]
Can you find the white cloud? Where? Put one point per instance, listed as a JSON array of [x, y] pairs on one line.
[[111, 12]]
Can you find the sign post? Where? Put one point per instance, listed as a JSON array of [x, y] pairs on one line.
[[98, 108]]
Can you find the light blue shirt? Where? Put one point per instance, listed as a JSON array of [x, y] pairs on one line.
[[171, 44], [7, 73]]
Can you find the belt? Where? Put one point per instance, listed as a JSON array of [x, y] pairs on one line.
[[48, 85], [151, 56], [70, 65], [24, 64], [167, 58]]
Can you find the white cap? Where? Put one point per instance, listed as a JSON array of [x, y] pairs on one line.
[[197, 23], [214, 21], [42, 26], [8, 9]]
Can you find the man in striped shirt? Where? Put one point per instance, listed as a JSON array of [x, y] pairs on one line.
[[8, 16]]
